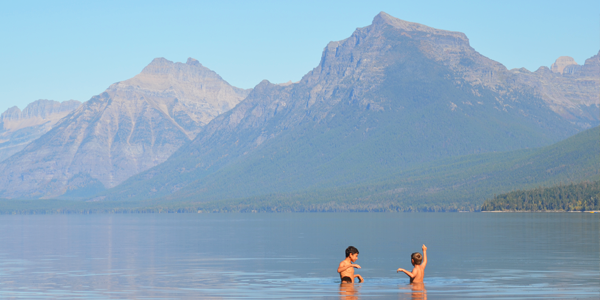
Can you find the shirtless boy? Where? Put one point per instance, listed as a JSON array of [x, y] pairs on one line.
[[346, 268], [419, 263]]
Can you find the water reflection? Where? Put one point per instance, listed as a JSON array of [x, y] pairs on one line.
[[262, 256], [418, 291], [414, 291], [348, 291]]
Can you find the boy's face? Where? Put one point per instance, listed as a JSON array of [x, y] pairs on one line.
[[353, 257]]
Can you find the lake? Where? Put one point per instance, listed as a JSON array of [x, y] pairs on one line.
[[273, 256]]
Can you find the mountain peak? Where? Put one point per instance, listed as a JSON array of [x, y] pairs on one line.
[[12, 113], [157, 65], [160, 61], [132, 126], [193, 62], [561, 63], [41, 108], [164, 67], [384, 18], [19, 128]]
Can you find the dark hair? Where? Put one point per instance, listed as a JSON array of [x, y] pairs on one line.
[[417, 258], [352, 250]]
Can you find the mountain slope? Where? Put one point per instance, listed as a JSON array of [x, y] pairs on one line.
[[19, 128], [392, 96], [471, 179], [570, 90], [132, 126], [450, 184]]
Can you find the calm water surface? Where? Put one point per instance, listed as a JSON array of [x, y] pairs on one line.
[[262, 256]]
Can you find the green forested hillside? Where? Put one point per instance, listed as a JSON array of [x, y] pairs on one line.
[[583, 196], [454, 184]]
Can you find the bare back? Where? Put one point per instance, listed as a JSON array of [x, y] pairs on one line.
[[419, 272]]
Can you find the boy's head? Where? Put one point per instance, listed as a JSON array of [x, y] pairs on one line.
[[416, 258], [352, 252]]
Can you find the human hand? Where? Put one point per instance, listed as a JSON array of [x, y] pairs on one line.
[[356, 266], [400, 270], [424, 247], [360, 278]]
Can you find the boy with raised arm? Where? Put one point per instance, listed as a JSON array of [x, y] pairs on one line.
[[346, 268], [419, 263]]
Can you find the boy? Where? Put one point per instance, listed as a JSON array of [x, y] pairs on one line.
[[419, 263], [346, 268]]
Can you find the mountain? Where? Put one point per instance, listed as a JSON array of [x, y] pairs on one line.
[[451, 184], [469, 180], [18, 128], [569, 89], [132, 126], [393, 96]]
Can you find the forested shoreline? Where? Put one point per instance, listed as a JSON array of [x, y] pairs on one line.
[[271, 204], [584, 196]]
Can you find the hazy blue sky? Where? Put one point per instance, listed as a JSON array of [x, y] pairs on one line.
[[64, 50]]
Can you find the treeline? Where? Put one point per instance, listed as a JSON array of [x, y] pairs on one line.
[[332, 206], [274, 203], [583, 196]]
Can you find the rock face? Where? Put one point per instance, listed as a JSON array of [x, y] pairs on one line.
[[392, 96], [19, 128], [559, 65], [132, 126], [568, 89]]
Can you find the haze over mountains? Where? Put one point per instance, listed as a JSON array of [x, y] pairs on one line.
[[393, 96], [132, 126], [569, 89], [19, 128]]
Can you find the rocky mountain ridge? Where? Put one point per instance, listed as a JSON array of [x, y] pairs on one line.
[[134, 125], [569, 90], [19, 128], [563, 62], [393, 95], [38, 109]]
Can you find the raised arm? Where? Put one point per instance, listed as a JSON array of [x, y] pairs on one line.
[[424, 263]]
